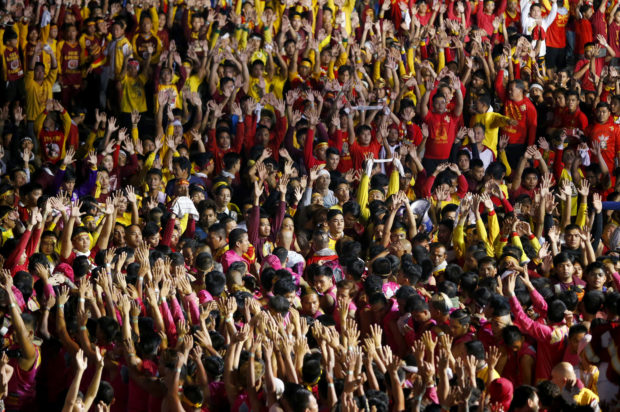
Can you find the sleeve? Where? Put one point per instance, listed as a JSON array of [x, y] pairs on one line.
[[493, 226], [309, 159], [11, 261], [499, 85], [458, 240], [362, 197], [482, 235], [539, 303], [253, 224], [463, 186], [538, 331], [394, 183], [532, 123]]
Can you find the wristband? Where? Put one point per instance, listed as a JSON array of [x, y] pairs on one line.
[[330, 384], [82, 327], [12, 305], [134, 320], [61, 305], [252, 355], [178, 370], [82, 300]]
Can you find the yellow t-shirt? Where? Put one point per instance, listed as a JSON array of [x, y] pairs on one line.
[[133, 96], [37, 94], [492, 122]]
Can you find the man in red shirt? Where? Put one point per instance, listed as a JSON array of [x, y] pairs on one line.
[[573, 117], [441, 124], [599, 25], [556, 40], [521, 109], [591, 66], [606, 133]]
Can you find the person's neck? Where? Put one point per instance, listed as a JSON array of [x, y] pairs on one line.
[[237, 251]]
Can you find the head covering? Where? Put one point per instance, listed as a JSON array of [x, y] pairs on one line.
[[66, 270], [583, 343], [500, 391]]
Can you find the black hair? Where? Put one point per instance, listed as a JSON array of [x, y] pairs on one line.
[[215, 282]]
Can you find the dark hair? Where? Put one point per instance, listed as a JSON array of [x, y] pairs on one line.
[[215, 282]]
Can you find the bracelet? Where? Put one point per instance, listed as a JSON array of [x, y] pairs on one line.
[[134, 320], [178, 370], [330, 384], [82, 300], [82, 327], [12, 305], [349, 372], [230, 320], [61, 305], [252, 354]]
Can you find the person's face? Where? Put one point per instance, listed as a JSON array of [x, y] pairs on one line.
[[344, 76], [463, 162], [317, 199], [478, 134], [153, 241], [443, 235], [209, 217], [560, 100], [310, 304], [118, 236], [489, 6], [438, 255], [257, 70], [223, 198], [223, 141], [573, 342], [33, 197], [535, 12], [530, 181], [154, 181], [421, 317], [104, 179], [573, 103], [288, 224], [498, 323], [82, 242], [596, 279], [602, 114], [108, 163], [342, 193], [54, 32], [264, 229], [198, 197], [214, 241], [349, 220], [487, 270], [39, 72], [365, 137], [332, 161], [322, 283], [244, 244], [515, 93], [565, 271], [320, 151], [48, 245], [336, 224], [146, 26], [572, 238], [117, 31], [71, 33], [516, 346], [133, 237], [456, 329], [439, 105], [166, 76], [69, 186]]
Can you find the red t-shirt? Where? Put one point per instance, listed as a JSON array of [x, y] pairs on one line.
[[587, 81], [608, 135], [573, 120], [583, 35], [525, 113], [599, 25], [358, 151], [441, 134], [614, 37], [556, 33]]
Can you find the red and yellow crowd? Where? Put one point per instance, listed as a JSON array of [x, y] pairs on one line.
[[309, 205]]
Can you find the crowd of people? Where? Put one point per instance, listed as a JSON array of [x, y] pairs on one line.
[[304, 205]]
